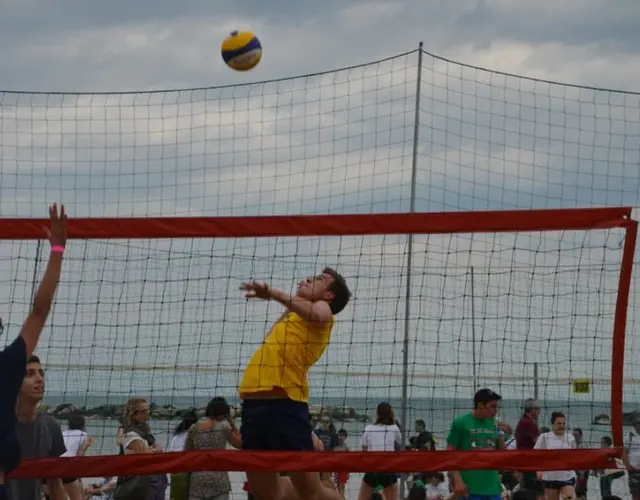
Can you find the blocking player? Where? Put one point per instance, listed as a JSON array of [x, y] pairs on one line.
[[13, 360], [275, 387]]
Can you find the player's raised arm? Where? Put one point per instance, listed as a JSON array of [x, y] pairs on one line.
[[57, 235], [313, 312], [316, 300]]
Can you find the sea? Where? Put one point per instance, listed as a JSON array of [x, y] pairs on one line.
[[437, 413]]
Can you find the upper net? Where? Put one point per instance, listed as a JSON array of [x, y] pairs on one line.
[[527, 313]]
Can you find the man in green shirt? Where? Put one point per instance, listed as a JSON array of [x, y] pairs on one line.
[[473, 431]]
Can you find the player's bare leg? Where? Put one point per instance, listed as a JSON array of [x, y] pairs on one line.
[[282, 487], [307, 486]]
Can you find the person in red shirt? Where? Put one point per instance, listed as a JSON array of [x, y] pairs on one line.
[[526, 435]]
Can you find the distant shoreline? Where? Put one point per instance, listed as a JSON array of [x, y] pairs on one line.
[[170, 412]]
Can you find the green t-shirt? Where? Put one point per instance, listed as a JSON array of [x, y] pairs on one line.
[[469, 433]]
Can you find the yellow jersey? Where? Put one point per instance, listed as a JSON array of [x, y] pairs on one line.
[[283, 361]]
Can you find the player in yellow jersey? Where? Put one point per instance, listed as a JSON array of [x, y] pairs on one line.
[[275, 387]]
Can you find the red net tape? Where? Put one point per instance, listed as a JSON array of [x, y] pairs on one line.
[[317, 462]]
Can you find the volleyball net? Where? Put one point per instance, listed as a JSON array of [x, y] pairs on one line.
[[480, 287], [151, 308]]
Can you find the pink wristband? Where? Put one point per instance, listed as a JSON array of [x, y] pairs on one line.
[[57, 249]]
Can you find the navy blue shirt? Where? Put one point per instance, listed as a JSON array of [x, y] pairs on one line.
[[329, 439], [13, 366]]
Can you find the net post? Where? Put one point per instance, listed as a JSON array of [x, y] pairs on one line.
[[619, 332], [407, 298], [474, 366], [34, 278]]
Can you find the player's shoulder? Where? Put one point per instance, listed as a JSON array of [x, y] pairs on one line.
[[47, 421], [14, 352], [463, 419]]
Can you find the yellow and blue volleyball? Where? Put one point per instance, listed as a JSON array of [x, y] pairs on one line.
[[241, 50]]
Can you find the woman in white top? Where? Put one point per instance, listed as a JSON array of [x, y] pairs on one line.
[[384, 435], [77, 442], [557, 483], [437, 489], [179, 438], [138, 439]]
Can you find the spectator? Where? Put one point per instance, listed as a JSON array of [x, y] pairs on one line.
[[77, 442], [138, 439], [423, 440], [179, 437], [526, 435]]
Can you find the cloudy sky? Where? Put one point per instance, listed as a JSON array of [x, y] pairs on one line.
[[339, 142], [75, 45]]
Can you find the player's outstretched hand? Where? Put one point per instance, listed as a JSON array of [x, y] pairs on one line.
[[255, 290], [57, 230]]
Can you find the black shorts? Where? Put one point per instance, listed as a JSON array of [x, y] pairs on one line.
[[530, 482], [558, 485], [275, 425], [382, 479]]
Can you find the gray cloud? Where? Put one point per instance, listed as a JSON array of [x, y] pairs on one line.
[[566, 23]]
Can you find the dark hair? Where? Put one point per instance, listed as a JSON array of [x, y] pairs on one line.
[[531, 404], [76, 422], [484, 396], [544, 429], [607, 439], [189, 418], [33, 359], [217, 407], [341, 292], [417, 491], [384, 414], [611, 497], [343, 432], [578, 431], [421, 423], [556, 415]]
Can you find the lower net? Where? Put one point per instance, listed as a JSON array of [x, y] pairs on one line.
[[528, 314]]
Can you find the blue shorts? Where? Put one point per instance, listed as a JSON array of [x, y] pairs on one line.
[[275, 425], [484, 497]]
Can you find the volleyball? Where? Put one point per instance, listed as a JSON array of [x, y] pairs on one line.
[[241, 50]]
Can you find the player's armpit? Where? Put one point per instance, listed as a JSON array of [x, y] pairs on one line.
[[313, 312]]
